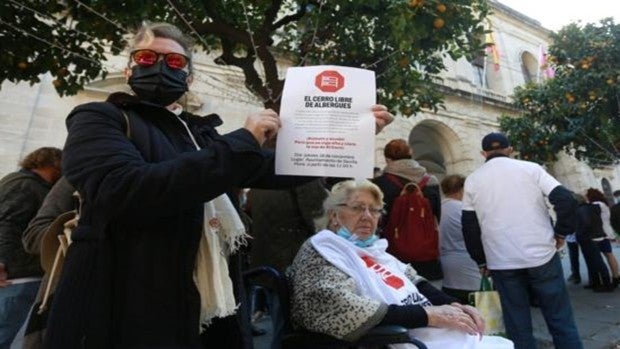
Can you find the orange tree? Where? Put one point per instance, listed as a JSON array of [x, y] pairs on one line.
[[403, 41], [577, 111]]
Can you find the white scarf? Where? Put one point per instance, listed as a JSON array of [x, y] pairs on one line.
[[381, 276], [223, 234], [378, 274]]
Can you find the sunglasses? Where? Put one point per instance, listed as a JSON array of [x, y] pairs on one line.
[[146, 58]]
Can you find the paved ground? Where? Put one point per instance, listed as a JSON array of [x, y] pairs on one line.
[[597, 315]]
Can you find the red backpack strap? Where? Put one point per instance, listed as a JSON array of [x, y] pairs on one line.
[[394, 179], [422, 183]]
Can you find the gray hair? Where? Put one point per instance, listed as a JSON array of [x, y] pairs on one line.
[[149, 31], [340, 193]]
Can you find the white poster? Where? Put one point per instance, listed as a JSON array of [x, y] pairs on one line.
[[328, 129]]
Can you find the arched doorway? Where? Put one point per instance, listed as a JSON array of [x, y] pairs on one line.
[[529, 67], [438, 148]]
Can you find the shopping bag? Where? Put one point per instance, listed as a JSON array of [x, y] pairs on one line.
[[488, 304]]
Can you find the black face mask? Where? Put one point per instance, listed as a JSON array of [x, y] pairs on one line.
[[158, 84]]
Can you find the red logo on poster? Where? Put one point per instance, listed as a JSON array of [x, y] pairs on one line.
[[329, 81]]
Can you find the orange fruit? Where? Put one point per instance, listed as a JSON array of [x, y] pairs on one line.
[[414, 3], [22, 65], [438, 23], [441, 8]]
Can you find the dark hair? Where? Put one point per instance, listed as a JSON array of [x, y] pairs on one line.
[[42, 157], [397, 149], [149, 31], [617, 193], [594, 194], [452, 184]]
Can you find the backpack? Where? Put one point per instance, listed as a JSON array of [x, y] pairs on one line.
[[411, 229]]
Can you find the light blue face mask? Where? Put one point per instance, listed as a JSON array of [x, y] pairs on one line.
[[345, 233]]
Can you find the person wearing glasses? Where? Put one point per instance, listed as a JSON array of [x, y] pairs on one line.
[[345, 283], [147, 264]]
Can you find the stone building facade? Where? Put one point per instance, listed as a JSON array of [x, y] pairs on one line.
[[446, 142]]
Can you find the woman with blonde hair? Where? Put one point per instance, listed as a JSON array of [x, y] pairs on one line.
[[461, 274]]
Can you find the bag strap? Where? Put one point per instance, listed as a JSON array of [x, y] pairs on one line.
[[422, 183], [127, 123], [486, 284], [64, 240], [394, 179]]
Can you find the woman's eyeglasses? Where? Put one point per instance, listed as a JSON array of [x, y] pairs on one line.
[[146, 58], [359, 209]]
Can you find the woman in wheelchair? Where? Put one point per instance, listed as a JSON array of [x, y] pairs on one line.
[[344, 283]]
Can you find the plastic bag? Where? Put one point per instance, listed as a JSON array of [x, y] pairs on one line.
[[488, 304]]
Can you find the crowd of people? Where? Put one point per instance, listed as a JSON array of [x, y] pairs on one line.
[[157, 255]]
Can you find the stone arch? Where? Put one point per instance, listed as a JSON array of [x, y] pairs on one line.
[[438, 148], [529, 67], [607, 190]]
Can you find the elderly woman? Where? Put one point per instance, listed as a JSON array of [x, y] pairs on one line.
[[344, 282]]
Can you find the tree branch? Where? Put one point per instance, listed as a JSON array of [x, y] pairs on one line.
[[290, 18], [270, 15], [222, 30]]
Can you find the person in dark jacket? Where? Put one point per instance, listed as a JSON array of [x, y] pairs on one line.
[[147, 173], [589, 229], [59, 200], [21, 195], [145, 168], [597, 197], [508, 232], [400, 169]]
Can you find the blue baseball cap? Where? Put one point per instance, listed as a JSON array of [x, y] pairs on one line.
[[494, 141]]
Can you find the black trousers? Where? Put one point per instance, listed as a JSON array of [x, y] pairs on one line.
[[234, 332], [573, 255], [597, 269]]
